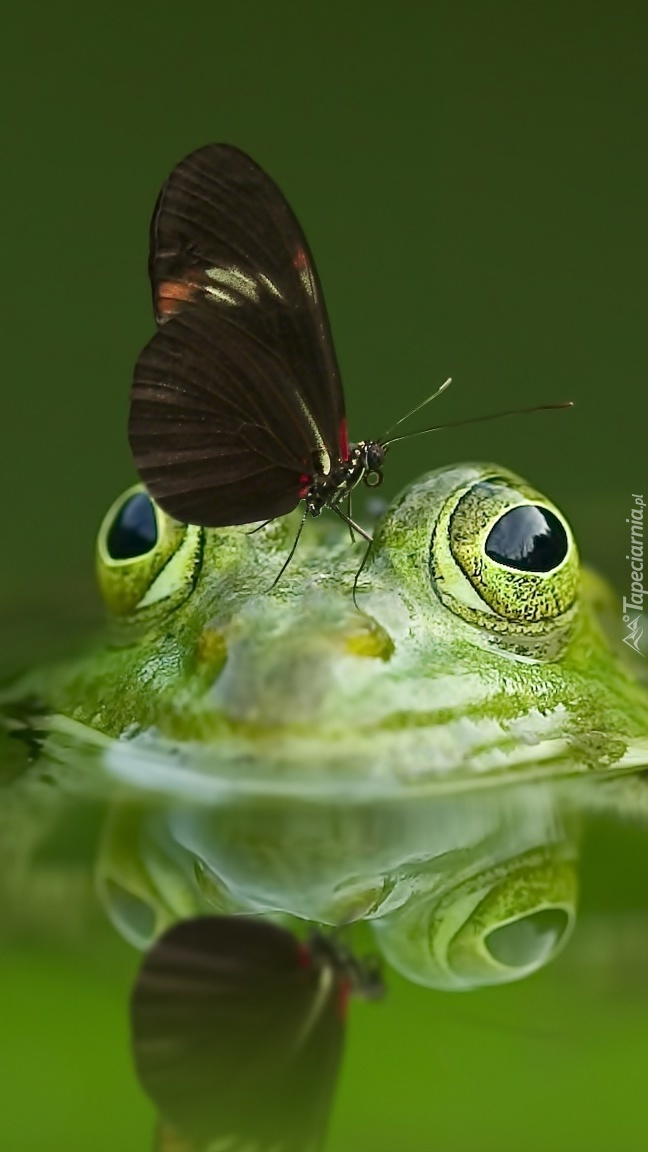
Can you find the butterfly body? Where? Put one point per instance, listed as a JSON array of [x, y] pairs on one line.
[[362, 464]]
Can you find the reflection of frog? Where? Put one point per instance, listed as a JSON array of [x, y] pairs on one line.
[[418, 762]]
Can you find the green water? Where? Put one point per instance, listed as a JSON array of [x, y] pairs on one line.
[[472, 179], [555, 1061]]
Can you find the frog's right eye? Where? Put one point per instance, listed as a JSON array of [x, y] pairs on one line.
[[504, 558], [145, 558]]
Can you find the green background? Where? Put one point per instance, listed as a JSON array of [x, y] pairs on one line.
[[473, 180]]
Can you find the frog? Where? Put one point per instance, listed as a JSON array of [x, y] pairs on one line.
[[404, 736]]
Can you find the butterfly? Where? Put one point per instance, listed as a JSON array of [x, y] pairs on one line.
[[237, 1033], [237, 410]]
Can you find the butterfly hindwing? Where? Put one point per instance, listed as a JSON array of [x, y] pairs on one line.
[[218, 430]]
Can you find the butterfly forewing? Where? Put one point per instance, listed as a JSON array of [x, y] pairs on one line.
[[223, 232], [237, 1034]]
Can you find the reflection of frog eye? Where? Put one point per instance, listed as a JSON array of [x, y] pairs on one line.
[[145, 558], [528, 941], [138, 885], [497, 926], [504, 557]]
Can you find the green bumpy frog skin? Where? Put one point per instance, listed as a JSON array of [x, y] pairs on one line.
[[418, 758]]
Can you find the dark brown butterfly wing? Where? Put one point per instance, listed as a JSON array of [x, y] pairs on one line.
[[237, 1035], [218, 433], [223, 232]]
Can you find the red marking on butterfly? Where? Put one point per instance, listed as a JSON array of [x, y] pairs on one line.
[[344, 441], [301, 260], [173, 295]]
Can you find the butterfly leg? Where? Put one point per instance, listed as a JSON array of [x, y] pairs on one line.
[[352, 523], [290, 554], [349, 515], [357, 577]]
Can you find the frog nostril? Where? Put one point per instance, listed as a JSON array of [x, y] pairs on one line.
[[366, 637]]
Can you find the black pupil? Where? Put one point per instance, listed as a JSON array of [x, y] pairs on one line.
[[529, 538], [134, 530]]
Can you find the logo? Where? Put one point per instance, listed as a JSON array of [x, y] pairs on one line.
[[633, 605], [635, 632]]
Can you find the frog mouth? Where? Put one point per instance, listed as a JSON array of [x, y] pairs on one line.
[[463, 755]]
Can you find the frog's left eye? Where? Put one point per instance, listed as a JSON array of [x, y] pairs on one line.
[[134, 530], [503, 557], [145, 558]]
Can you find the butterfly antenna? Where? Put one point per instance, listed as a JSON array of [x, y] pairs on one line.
[[290, 554], [428, 400], [478, 420]]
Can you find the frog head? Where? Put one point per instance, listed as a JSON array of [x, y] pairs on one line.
[[400, 755], [471, 645]]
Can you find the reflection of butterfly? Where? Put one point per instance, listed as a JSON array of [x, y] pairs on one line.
[[238, 1031], [237, 411]]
